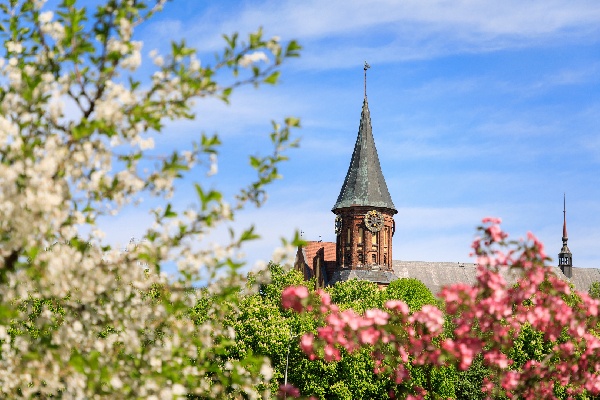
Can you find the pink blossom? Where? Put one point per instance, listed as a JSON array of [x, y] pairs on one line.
[[491, 220], [495, 233], [289, 390], [398, 306], [325, 297], [487, 316], [306, 343], [378, 317], [291, 297]]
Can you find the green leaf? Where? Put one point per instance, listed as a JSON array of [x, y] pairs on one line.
[[272, 79]]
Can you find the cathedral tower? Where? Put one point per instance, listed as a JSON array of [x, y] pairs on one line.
[[364, 210], [565, 258]]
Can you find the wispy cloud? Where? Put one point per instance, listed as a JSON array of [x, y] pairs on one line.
[[414, 29]]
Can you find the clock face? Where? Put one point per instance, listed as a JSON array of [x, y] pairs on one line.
[[338, 225], [374, 221]]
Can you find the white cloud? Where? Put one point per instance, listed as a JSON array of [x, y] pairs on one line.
[[410, 29]]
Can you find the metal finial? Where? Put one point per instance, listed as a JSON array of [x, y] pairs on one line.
[[366, 66], [564, 215]]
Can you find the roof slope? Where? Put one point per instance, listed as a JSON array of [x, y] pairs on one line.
[[436, 275], [364, 184]]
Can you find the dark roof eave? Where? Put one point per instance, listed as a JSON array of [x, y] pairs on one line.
[[374, 205]]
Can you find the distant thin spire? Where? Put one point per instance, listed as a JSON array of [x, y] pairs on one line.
[[565, 215], [366, 66]]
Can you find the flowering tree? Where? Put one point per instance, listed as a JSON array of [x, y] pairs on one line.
[[488, 319], [79, 320]]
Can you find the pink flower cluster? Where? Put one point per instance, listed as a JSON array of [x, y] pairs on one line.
[[293, 296], [487, 316]]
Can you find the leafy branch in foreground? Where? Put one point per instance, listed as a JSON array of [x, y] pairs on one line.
[[77, 128]]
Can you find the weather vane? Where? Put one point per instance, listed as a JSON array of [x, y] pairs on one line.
[[366, 66]]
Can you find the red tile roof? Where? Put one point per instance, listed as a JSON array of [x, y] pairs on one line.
[[324, 250]]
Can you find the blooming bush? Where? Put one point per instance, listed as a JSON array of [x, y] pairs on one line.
[[487, 319], [79, 319]]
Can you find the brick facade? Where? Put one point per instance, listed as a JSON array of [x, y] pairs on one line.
[[316, 259], [357, 248]]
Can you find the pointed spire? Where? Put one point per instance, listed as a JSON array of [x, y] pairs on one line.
[[565, 258], [364, 184], [565, 216]]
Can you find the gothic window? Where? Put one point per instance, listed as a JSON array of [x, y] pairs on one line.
[[384, 260], [360, 258], [374, 238], [374, 257], [348, 243], [361, 235], [348, 259]]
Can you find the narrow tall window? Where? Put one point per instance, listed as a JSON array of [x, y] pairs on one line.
[[374, 257], [385, 236], [348, 243], [318, 273], [361, 235], [374, 238]]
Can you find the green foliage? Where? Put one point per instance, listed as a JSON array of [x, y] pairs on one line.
[[438, 382], [468, 383], [412, 291], [594, 290], [363, 295], [358, 295]]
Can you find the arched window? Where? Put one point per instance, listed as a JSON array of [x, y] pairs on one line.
[[374, 257]]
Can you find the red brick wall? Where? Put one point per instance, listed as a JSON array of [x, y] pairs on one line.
[[322, 251], [353, 219]]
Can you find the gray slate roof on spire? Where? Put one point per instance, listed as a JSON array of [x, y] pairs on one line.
[[364, 184]]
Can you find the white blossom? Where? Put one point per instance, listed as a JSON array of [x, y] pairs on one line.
[[46, 17], [253, 58]]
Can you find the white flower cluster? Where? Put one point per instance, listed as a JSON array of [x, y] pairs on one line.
[[253, 58]]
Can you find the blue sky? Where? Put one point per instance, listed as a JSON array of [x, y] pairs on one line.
[[478, 109]]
